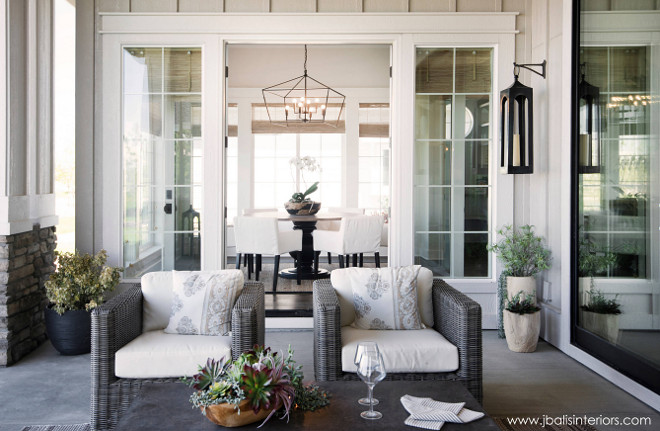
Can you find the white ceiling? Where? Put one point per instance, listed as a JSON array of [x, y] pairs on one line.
[[337, 66]]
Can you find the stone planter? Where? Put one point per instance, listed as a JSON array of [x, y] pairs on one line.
[[603, 325], [69, 333], [226, 416], [522, 331], [525, 284]]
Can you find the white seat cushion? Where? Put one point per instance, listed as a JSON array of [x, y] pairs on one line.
[[157, 354], [411, 351]]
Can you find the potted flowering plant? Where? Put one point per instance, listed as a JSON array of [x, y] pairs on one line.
[[75, 288], [255, 386], [300, 204]]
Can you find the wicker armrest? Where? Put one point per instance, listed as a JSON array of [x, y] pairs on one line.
[[248, 319], [458, 319], [114, 324], [327, 332]]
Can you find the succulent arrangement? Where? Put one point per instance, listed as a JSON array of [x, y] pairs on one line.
[[599, 304], [521, 251], [80, 281], [522, 304], [264, 378]]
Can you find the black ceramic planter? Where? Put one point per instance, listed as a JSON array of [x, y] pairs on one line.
[[69, 333]]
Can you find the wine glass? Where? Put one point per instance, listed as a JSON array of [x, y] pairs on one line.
[[365, 346], [371, 370]]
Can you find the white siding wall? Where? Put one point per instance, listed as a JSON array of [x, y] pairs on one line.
[[26, 182]]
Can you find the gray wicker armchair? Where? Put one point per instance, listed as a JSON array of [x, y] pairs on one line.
[[459, 323], [119, 320]]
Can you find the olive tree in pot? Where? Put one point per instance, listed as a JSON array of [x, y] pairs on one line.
[[523, 255], [75, 288], [522, 323]]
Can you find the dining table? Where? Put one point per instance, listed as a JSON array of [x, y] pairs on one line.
[[306, 223]]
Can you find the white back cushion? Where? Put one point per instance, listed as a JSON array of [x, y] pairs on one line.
[[342, 284], [157, 300]]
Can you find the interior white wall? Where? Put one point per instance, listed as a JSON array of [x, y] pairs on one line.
[[339, 66], [360, 72]]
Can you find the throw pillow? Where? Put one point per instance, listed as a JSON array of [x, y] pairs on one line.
[[386, 298], [202, 301]]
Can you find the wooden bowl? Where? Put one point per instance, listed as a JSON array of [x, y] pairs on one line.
[[227, 416]]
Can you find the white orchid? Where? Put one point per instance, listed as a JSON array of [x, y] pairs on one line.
[[304, 164]]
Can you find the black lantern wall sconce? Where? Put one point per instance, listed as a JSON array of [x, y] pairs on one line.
[[517, 124], [589, 126]]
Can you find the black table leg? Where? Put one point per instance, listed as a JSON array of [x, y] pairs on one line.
[[306, 256]]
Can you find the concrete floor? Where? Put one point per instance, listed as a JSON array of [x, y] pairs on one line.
[[46, 388]]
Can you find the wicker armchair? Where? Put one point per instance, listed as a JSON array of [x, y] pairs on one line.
[[119, 320], [459, 322]]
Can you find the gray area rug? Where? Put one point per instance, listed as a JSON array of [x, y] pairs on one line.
[[76, 427]]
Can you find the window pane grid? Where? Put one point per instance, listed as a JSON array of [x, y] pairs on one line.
[[452, 152]]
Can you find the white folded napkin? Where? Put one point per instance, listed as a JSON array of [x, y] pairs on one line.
[[431, 414]]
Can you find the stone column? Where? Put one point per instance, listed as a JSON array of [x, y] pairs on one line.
[[27, 198], [26, 262]]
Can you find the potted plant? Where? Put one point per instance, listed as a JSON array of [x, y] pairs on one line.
[[75, 288], [592, 261], [601, 315], [255, 386], [524, 255], [522, 323], [300, 204]]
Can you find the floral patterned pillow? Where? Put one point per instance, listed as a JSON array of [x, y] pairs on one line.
[[385, 298], [202, 301]]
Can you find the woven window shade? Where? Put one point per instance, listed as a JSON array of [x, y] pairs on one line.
[[232, 120], [374, 120], [262, 124]]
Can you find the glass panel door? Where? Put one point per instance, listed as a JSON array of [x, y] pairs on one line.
[[161, 159], [616, 155], [452, 153]]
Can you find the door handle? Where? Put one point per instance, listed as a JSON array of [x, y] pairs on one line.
[[167, 208]]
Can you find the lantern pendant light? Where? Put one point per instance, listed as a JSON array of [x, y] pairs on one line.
[[517, 124], [589, 126], [303, 100]]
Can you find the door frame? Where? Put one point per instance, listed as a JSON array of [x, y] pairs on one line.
[[212, 31]]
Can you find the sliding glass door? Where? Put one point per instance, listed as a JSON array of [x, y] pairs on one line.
[[616, 189]]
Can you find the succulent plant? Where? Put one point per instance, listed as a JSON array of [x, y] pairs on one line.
[[260, 376]]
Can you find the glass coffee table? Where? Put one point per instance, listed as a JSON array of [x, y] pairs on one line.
[[165, 407]]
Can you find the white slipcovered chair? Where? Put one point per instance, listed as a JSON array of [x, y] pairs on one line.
[[335, 224], [357, 234], [261, 235]]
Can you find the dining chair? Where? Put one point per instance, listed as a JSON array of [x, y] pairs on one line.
[[357, 234], [334, 224], [247, 257], [261, 235]]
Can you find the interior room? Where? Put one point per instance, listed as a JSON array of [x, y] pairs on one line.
[[435, 214]]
